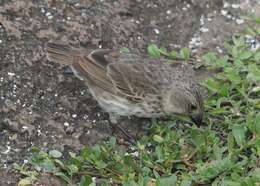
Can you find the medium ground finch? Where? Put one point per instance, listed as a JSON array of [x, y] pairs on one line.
[[127, 84]]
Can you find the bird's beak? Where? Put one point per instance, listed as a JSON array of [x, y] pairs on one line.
[[197, 119]]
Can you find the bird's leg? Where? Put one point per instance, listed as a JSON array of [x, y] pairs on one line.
[[68, 71], [113, 122]]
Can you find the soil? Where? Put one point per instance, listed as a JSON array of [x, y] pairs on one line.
[[43, 106]]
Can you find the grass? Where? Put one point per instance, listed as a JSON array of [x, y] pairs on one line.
[[224, 152]]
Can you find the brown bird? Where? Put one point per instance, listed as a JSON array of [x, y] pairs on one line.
[[128, 84]]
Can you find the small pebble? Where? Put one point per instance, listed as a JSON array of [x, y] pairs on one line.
[[235, 6], [168, 12], [224, 12], [202, 22], [226, 5], [219, 50], [11, 74], [240, 21], [66, 124], [7, 150], [156, 31], [135, 154], [42, 10], [229, 16], [204, 29], [49, 16], [94, 179]]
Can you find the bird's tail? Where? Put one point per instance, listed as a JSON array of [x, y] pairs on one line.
[[61, 53]]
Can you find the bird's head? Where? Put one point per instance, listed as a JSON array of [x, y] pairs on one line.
[[184, 98]]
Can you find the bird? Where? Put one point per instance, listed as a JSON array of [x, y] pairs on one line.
[[129, 84]]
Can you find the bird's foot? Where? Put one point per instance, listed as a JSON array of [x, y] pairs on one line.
[[129, 138]]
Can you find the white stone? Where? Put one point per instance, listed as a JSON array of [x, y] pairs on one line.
[[235, 6], [240, 21], [168, 12], [224, 12], [11, 74], [156, 31], [204, 29], [66, 124]]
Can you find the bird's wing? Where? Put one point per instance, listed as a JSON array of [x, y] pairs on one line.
[[134, 79], [121, 74]]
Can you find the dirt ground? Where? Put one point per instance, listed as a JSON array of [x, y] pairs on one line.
[[42, 106]]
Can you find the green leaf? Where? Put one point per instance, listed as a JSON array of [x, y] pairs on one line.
[[159, 153], [124, 50], [72, 154], [154, 51], [257, 124], [48, 165], [257, 20], [112, 141], [35, 150], [60, 163], [231, 143], [85, 181], [197, 138], [55, 153], [26, 182], [72, 169], [174, 55], [234, 52], [62, 176], [232, 75], [158, 138], [167, 181], [186, 183], [250, 31], [257, 144], [254, 72], [185, 54], [100, 164], [257, 57], [245, 55], [212, 85], [258, 31], [211, 170], [17, 167], [239, 133], [163, 51]]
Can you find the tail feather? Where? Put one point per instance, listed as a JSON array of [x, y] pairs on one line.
[[61, 53]]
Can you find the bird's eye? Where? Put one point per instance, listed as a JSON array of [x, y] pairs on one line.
[[193, 107]]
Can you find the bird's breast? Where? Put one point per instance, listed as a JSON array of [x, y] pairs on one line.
[[124, 107]]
